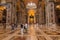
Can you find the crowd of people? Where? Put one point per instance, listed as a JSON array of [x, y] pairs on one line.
[[23, 27]]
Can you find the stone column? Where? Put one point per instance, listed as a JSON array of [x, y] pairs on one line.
[[50, 16], [47, 12], [52, 12], [15, 14], [13, 9], [8, 17], [40, 15]]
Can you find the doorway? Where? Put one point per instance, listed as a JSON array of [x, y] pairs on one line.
[[3, 13]]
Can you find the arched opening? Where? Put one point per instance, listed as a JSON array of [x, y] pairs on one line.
[[3, 15]]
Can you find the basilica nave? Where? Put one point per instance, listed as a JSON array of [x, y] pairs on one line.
[[41, 16]]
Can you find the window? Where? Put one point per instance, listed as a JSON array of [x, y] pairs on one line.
[[3, 1]]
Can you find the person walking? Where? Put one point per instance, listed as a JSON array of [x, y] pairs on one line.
[[26, 27], [22, 29]]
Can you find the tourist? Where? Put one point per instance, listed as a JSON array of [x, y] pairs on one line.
[[22, 29]]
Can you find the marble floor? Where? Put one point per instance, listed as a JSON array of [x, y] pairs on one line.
[[34, 32]]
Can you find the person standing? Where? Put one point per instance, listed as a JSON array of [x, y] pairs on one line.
[[12, 26], [15, 26], [4, 27], [4, 24]]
